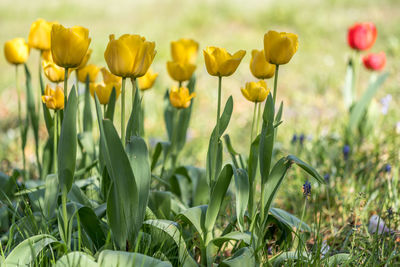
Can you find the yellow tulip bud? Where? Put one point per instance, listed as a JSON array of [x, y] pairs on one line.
[[85, 59], [103, 91], [280, 47], [40, 34], [129, 56], [53, 72], [147, 81], [184, 51], [90, 70], [180, 71], [255, 91], [259, 67], [180, 97], [54, 99], [16, 51], [221, 63], [108, 77], [69, 45]]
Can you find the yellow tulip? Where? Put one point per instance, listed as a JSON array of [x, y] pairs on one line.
[[221, 63], [180, 71], [147, 81], [129, 56], [40, 34], [184, 51], [180, 97], [53, 72], [69, 45], [85, 59], [255, 91], [54, 99], [90, 70], [103, 91], [280, 47], [259, 67], [16, 51], [108, 77]]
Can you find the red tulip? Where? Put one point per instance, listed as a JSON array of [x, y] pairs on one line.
[[362, 36], [375, 61]]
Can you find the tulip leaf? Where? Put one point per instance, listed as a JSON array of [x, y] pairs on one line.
[[46, 113], [242, 257], [111, 105], [361, 106], [87, 110], [289, 219], [266, 139], [110, 258], [75, 259], [242, 195], [67, 143], [217, 196], [161, 147], [134, 125], [231, 150], [310, 170], [196, 217], [92, 226], [50, 195]]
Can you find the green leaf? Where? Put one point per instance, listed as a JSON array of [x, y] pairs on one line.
[[50, 195], [76, 259], [339, 259], [133, 128], [67, 144], [160, 204], [171, 229], [289, 219], [109, 258], [267, 139], [111, 105], [92, 226], [25, 253], [195, 216], [252, 172], [310, 170], [243, 257], [242, 194], [289, 258], [8, 185], [236, 236], [46, 113], [362, 105], [87, 110], [163, 147], [217, 196]]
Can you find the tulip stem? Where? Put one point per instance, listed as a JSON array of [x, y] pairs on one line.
[[275, 82], [219, 104], [123, 111], [77, 96], [258, 118], [20, 122], [65, 86], [55, 137], [252, 123]]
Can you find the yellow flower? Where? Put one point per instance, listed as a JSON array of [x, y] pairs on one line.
[[129, 56], [180, 98], [40, 34], [85, 59], [53, 72], [184, 51], [221, 63], [280, 47], [69, 45], [108, 77], [259, 67], [54, 99], [180, 71], [16, 51], [103, 91], [147, 81], [91, 70], [255, 91]]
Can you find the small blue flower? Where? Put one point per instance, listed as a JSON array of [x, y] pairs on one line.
[[346, 151], [327, 177], [294, 139], [388, 168], [307, 189], [301, 139]]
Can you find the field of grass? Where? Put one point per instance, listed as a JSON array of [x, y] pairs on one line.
[[310, 86]]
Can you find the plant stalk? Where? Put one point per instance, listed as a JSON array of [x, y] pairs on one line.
[[123, 111], [275, 82]]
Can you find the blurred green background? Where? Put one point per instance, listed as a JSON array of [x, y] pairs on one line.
[[310, 85]]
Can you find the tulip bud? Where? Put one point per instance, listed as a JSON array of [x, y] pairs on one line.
[[53, 72], [184, 51], [54, 99], [255, 91], [90, 70], [221, 63], [279, 47], [108, 77], [69, 45], [180, 97], [375, 62], [362, 36], [259, 67], [147, 81], [103, 91], [16, 51], [180, 71], [40, 34]]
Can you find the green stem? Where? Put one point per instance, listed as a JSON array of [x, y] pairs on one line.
[[275, 82], [123, 111], [55, 137], [301, 220], [175, 130], [20, 122], [219, 104], [252, 122], [329, 209], [258, 117], [77, 96], [65, 86], [104, 110]]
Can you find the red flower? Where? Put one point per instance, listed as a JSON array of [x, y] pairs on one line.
[[362, 36], [375, 61]]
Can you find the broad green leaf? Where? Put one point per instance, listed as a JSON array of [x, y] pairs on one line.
[[243, 257], [67, 144], [76, 259], [92, 226], [289, 258], [161, 147], [133, 128], [310, 170], [339, 259], [236, 236], [111, 105], [359, 108], [231, 150], [8, 186], [217, 196], [171, 229], [25, 253], [76, 195], [160, 204], [252, 172], [195, 216], [109, 258], [289, 219], [267, 139], [242, 194], [87, 110], [50, 195]]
